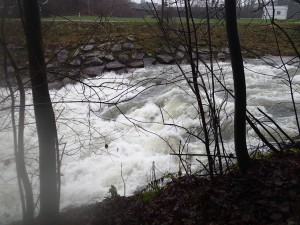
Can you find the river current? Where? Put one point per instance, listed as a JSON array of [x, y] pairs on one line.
[[111, 129]]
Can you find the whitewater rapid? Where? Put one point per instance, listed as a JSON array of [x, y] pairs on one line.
[[111, 129]]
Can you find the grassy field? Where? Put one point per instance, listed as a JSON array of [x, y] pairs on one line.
[[257, 36]]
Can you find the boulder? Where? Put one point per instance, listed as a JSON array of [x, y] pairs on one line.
[[88, 47], [131, 38], [62, 55], [93, 54], [123, 58], [137, 56], [116, 48], [179, 55], [92, 41], [137, 64], [148, 61], [108, 57], [94, 61], [93, 71], [75, 62], [127, 45], [165, 59], [115, 65]]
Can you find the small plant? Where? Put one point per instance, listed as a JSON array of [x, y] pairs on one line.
[[113, 191]]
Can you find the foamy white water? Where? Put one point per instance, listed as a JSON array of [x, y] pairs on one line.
[[127, 112]]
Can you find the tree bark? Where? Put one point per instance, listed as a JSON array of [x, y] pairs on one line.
[[44, 115], [243, 158]]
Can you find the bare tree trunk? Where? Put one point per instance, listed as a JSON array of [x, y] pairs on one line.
[[44, 115], [239, 86]]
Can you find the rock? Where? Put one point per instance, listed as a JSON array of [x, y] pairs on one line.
[[51, 66], [93, 54], [131, 38], [115, 65], [128, 45], [165, 59], [51, 77], [75, 62], [92, 41], [108, 57], [123, 58], [116, 48], [94, 61], [77, 52], [221, 56], [182, 48], [62, 55], [148, 61], [170, 50], [137, 64], [179, 55], [87, 48], [93, 71], [138, 56], [14, 46], [104, 46], [74, 73]]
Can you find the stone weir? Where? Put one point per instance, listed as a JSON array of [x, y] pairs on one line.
[[91, 59]]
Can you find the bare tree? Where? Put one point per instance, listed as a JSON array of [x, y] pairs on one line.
[[44, 115], [239, 87]]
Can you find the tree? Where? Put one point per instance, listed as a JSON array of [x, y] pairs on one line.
[[44, 115], [239, 86]]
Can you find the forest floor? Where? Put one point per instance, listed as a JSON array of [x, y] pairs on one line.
[[268, 194]]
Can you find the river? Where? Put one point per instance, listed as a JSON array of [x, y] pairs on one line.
[[111, 128]]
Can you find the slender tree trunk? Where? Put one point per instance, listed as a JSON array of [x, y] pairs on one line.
[[45, 120], [239, 86]]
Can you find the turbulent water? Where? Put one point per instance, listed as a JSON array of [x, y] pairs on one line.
[[111, 128]]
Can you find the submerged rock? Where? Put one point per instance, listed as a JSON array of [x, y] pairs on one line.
[[116, 48], [128, 45], [148, 61], [88, 48]]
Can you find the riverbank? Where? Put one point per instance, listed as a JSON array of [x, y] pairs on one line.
[[268, 194]]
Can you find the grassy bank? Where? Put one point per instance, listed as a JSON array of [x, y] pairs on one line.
[[257, 36]]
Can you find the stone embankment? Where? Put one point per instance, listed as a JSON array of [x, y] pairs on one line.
[[91, 59]]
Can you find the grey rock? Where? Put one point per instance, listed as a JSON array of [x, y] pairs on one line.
[[74, 73], [14, 46], [93, 54], [92, 41], [108, 57], [93, 71], [75, 62], [51, 77], [138, 56], [204, 51], [165, 59], [182, 48], [116, 48], [62, 55], [179, 55], [131, 38], [105, 46], [77, 52], [137, 64], [149, 61], [115, 65], [88, 47], [94, 61], [221, 56], [170, 50], [123, 58], [51, 66], [128, 45]]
